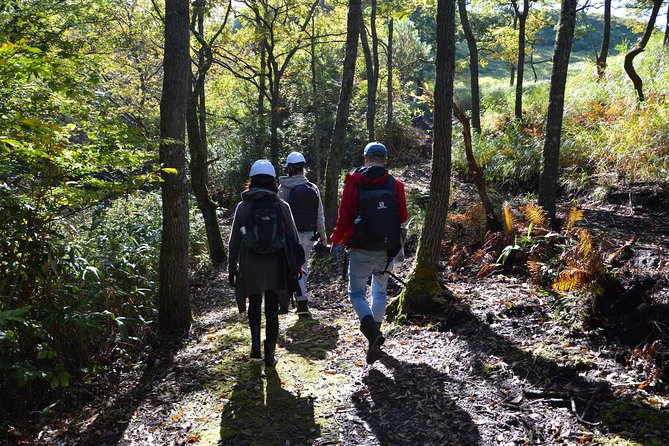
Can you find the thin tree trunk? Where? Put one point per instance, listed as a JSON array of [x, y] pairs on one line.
[[261, 132], [606, 39], [174, 314], [666, 28], [338, 141], [389, 83], [316, 111], [375, 70], [473, 66], [275, 117], [369, 74], [196, 125], [199, 182], [477, 173], [640, 48], [422, 284], [551, 156], [522, 20]]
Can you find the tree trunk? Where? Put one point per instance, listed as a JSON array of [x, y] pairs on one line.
[[338, 141], [275, 117], [199, 171], [522, 20], [196, 126], [369, 74], [423, 285], [492, 223], [375, 72], [606, 39], [473, 66], [551, 156], [316, 111], [640, 48], [371, 69], [389, 83], [174, 314], [261, 132], [666, 28]]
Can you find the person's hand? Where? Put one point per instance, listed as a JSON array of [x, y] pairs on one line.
[[324, 239], [232, 277], [336, 250]]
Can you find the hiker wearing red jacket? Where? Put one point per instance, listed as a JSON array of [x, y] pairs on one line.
[[371, 213]]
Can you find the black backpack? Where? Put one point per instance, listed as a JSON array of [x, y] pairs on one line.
[[377, 226], [303, 201], [265, 232]]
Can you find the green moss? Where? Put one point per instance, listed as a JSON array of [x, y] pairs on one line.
[[418, 295]]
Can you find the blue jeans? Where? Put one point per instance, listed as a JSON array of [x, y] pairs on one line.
[[363, 264], [307, 245]]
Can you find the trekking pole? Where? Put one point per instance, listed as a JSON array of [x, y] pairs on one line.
[[344, 269]]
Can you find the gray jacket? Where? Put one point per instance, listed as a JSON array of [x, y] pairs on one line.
[[288, 183], [257, 272]]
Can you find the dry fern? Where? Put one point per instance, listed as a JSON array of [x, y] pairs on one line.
[[575, 215], [571, 280], [508, 218], [534, 214]]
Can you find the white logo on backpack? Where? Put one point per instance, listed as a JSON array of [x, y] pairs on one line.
[[382, 205]]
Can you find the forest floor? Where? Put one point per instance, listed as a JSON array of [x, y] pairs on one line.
[[499, 367]]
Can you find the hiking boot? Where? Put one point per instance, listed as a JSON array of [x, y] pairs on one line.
[[255, 341], [270, 359], [369, 327], [303, 308]]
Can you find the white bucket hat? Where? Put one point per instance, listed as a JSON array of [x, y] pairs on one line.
[[262, 167], [294, 158]]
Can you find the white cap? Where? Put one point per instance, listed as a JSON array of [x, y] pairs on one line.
[[294, 158], [262, 167]]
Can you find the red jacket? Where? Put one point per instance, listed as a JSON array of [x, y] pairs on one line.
[[348, 208]]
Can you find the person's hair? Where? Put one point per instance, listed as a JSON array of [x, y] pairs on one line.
[[375, 160], [295, 169], [264, 182]]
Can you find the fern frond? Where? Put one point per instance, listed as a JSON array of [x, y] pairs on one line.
[[508, 218], [570, 280], [534, 214], [575, 215], [585, 245]]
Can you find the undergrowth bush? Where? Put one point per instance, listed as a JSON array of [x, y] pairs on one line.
[[92, 291]]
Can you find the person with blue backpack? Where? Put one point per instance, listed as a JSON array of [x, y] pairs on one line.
[[258, 265], [305, 203], [371, 213]]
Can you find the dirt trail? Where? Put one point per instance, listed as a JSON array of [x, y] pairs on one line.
[[497, 368]]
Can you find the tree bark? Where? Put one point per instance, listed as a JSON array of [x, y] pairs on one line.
[[389, 82], [369, 75], [640, 48], [338, 142], [666, 28], [422, 285], [473, 66], [492, 223], [174, 314], [196, 126], [371, 69], [551, 154], [522, 20], [316, 109], [606, 39]]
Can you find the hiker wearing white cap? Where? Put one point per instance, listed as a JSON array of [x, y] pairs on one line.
[[257, 260], [305, 203]]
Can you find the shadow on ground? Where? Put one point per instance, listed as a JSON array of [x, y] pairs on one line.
[[310, 338], [411, 406], [261, 412], [592, 401]]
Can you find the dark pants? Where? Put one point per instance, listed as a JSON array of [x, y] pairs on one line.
[[271, 314]]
